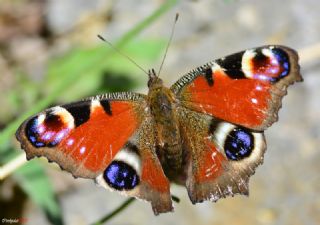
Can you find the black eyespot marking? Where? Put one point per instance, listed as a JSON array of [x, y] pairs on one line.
[[239, 144], [260, 58], [232, 65], [53, 121], [106, 106], [80, 112], [209, 76], [121, 176]]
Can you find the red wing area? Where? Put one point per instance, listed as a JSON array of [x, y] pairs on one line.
[[95, 143], [205, 162], [206, 168], [239, 101], [81, 137], [155, 185], [211, 164], [153, 174]]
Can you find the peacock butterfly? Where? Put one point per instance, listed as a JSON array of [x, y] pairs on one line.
[[205, 132]]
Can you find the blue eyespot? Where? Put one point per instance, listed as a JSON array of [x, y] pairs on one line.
[[32, 134], [121, 176], [239, 144], [283, 60]]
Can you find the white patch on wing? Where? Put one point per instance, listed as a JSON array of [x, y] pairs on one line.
[[267, 52], [221, 133], [131, 158], [254, 100], [94, 104], [41, 118], [82, 150], [100, 181], [70, 141], [246, 64], [215, 67]]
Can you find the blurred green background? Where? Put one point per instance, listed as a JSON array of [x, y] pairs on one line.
[[50, 54]]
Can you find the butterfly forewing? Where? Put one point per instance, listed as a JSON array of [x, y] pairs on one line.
[[78, 135], [245, 88]]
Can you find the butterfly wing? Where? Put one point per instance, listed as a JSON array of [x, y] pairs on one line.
[[245, 88], [105, 138], [223, 108], [222, 156], [140, 153]]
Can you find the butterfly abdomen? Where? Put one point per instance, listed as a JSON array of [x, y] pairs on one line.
[[162, 105]]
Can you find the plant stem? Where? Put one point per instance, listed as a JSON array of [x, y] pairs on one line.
[[121, 208], [115, 212]]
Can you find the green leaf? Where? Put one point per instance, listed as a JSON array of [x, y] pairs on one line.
[[33, 180]]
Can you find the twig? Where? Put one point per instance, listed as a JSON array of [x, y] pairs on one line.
[[121, 208], [11, 166]]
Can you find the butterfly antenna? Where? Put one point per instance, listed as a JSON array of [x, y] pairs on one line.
[[169, 42], [121, 53]]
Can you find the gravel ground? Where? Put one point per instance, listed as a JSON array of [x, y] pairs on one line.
[[284, 189]]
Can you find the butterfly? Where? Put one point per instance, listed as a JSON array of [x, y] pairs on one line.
[[205, 132]]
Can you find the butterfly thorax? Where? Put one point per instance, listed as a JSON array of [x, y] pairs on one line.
[[162, 105]]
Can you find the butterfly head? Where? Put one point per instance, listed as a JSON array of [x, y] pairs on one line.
[[154, 81]]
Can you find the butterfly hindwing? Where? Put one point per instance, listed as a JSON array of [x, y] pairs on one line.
[[222, 156], [149, 181], [245, 88]]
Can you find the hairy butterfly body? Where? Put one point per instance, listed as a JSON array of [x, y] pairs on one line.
[[205, 132]]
